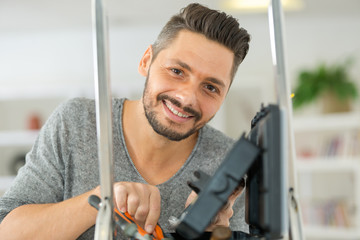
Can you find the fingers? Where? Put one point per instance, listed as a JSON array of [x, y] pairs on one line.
[[154, 211], [221, 219], [191, 198], [237, 192], [120, 197], [141, 201], [224, 215]]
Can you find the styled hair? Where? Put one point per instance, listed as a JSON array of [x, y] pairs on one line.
[[214, 25]]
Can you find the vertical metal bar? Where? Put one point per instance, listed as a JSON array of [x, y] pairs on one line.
[[284, 101], [104, 221], [277, 50]]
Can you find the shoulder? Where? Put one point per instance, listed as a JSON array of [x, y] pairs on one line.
[[212, 148], [81, 107], [76, 106], [72, 113]]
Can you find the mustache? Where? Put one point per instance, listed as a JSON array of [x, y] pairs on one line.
[[186, 109]]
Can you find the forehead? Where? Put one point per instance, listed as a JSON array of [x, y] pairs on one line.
[[202, 54]]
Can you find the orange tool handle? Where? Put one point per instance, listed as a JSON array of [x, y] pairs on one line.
[[158, 231]]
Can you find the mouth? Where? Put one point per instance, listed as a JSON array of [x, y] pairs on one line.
[[175, 112]]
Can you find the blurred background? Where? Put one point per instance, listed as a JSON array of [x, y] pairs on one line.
[[46, 58]]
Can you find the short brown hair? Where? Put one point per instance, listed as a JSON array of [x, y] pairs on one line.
[[214, 25]]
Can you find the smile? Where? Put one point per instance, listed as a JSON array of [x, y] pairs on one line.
[[175, 112]]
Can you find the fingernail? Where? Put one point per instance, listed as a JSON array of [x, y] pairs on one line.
[[149, 228], [123, 209]]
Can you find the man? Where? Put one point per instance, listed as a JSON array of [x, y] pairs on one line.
[[159, 140]]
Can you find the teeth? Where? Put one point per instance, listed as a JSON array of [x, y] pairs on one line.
[[176, 112]]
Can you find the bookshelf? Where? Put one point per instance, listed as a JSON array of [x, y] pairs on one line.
[[328, 170], [19, 103]]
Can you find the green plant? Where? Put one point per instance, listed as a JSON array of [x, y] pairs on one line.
[[312, 83]]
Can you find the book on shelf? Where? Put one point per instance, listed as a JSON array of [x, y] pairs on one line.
[[331, 213], [341, 145]]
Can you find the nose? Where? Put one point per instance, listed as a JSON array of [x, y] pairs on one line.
[[187, 94]]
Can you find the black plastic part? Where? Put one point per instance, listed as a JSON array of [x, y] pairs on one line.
[[200, 184], [215, 194], [265, 183], [94, 201], [236, 235]]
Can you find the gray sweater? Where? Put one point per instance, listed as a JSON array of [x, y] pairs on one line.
[[63, 163]]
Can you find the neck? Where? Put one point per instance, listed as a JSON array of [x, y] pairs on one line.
[[150, 152]]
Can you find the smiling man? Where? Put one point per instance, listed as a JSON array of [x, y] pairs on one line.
[[159, 140], [189, 81]]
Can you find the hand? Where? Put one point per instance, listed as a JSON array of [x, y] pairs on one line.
[[141, 201], [224, 215]]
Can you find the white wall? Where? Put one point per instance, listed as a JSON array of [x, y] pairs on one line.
[[59, 61]]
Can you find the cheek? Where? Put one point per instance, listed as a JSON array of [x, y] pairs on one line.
[[160, 83], [210, 108]]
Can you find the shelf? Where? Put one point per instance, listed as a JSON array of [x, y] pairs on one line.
[[18, 138], [328, 168], [43, 92], [331, 233], [328, 165], [330, 122]]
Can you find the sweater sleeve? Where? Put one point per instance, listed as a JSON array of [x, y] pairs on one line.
[[40, 180]]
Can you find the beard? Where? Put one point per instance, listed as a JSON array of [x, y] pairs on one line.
[[168, 131]]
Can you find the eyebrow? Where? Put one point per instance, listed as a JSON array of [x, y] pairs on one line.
[[211, 79], [216, 81]]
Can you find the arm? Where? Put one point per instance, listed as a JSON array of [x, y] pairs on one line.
[[41, 181], [63, 220], [70, 218]]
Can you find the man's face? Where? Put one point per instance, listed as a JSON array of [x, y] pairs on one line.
[[186, 84]]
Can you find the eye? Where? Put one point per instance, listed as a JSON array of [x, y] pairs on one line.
[[176, 71], [211, 88]]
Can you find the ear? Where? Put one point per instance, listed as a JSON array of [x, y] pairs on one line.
[[145, 62]]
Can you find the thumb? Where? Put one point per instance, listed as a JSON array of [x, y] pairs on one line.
[[191, 198]]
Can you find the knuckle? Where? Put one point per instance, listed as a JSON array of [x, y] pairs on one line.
[[120, 188], [117, 187], [154, 189], [144, 188], [230, 212], [133, 200], [224, 221], [141, 213], [143, 210]]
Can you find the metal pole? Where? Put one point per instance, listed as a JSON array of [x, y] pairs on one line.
[[104, 222], [284, 101]]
